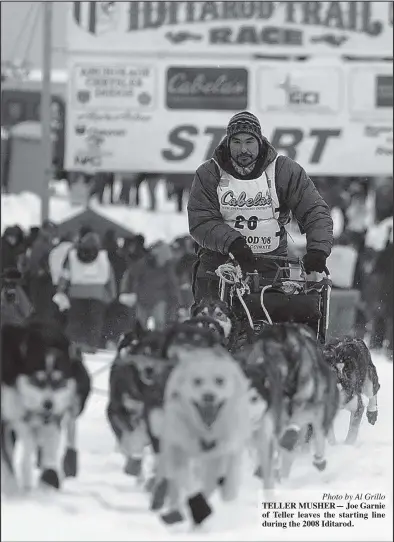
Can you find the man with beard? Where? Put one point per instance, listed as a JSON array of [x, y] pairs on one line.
[[240, 202]]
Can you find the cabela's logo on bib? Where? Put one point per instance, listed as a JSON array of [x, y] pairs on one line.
[[231, 200]]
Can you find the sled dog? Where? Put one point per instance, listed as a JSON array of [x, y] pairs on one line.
[[44, 387], [357, 380]]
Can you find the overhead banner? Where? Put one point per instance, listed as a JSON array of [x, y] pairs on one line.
[[137, 115], [232, 28]]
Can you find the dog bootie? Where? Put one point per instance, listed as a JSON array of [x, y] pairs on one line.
[[70, 463], [49, 477], [199, 508], [258, 472], [133, 466], [39, 457], [150, 484], [290, 438], [320, 463], [159, 495], [372, 416], [170, 518]]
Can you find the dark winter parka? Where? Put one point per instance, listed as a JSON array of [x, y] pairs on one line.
[[296, 193]]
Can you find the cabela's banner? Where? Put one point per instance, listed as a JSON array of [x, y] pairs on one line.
[[126, 114], [362, 28]]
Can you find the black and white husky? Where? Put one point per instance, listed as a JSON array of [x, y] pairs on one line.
[[44, 388]]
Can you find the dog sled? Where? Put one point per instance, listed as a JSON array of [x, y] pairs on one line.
[[259, 301]]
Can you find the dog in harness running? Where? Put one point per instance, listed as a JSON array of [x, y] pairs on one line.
[[132, 372], [205, 424], [308, 386], [266, 410], [234, 336], [357, 380], [44, 387]]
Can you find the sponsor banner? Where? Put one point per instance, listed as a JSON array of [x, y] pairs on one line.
[[370, 91], [170, 138], [113, 86], [207, 88], [334, 28], [299, 90]]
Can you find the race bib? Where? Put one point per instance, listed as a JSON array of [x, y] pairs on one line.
[[251, 207]]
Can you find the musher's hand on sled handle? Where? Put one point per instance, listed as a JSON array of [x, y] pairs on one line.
[[241, 253], [279, 260]]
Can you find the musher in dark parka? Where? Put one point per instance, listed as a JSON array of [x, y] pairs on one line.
[[241, 200]]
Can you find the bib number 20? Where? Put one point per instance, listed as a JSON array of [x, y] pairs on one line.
[[251, 223]]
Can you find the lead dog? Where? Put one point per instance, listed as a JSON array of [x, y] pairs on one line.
[[357, 379], [45, 387], [205, 425], [131, 374]]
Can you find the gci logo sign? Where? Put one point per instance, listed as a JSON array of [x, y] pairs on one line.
[[295, 95]]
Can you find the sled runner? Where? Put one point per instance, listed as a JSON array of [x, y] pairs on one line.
[[258, 301]]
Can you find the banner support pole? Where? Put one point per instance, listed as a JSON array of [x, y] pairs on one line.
[[45, 108]]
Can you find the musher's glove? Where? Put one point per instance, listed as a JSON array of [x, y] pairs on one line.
[[314, 260], [243, 254]]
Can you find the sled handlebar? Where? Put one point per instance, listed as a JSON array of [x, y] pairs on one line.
[[280, 259]]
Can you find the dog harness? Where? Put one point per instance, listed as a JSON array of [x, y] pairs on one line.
[[252, 208]]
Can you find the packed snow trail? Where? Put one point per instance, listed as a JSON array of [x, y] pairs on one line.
[[103, 504]]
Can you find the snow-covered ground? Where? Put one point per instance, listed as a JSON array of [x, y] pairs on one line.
[[103, 504]]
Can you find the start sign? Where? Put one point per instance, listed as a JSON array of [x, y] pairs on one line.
[[168, 114], [285, 140]]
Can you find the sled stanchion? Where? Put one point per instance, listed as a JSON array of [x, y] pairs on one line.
[[326, 305], [315, 294], [231, 273]]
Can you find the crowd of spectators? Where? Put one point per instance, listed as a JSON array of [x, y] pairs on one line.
[[121, 279], [127, 279]]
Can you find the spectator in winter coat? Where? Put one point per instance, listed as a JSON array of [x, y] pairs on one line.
[[151, 180], [41, 289], [128, 181], [382, 328], [134, 249], [114, 311], [383, 198], [12, 247], [241, 200], [178, 183], [100, 181], [118, 263], [57, 257], [15, 305], [32, 236], [184, 261], [86, 287], [378, 281], [132, 252], [153, 287]]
